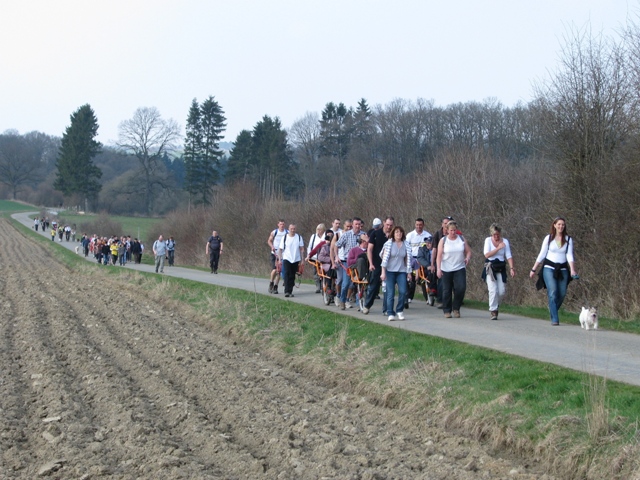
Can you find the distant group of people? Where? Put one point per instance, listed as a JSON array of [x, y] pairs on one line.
[[62, 232], [112, 250], [394, 256]]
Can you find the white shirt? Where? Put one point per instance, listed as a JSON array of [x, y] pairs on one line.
[[555, 253], [415, 239], [314, 240], [452, 255], [290, 247], [503, 254]]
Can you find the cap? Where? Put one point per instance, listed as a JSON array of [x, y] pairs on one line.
[[376, 222], [428, 239]]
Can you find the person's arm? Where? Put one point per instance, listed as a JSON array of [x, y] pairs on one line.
[[541, 256], [370, 256], [334, 252], [270, 242], [467, 253], [221, 246], [439, 257], [206, 249]]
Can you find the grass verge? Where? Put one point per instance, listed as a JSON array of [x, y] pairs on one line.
[[575, 424]]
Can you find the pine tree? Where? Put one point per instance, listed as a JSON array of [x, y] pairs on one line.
[[193, 150], [241, 163], [202, 155], [76, 172]]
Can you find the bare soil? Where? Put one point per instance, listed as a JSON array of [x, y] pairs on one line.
[[99, 380]]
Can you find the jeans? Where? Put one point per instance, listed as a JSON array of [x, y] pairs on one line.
[[453, 283], [556, 291], [171, 254], [393, 279], [345, 283], [290, 269]]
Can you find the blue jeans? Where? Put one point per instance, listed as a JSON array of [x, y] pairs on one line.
[[556, 291], [393, 279], [453, 284], [345, 283]]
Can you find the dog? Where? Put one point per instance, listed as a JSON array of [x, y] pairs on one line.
[[589, 318], [78, 249]]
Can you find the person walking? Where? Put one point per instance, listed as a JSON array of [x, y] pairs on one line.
[[558, 268], [314, 240], [159, 252], [377, 238], [290, 253], [275, 238], [497, 252], [171, 250], [396, 270], [453, 257], [214, 249]]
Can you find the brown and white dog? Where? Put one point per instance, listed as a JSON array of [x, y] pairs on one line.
[[589, 318]]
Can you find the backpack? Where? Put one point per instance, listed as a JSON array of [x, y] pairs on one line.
[[214, 243]]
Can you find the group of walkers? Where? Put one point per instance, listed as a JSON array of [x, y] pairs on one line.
[[393, 258], [112, 250]]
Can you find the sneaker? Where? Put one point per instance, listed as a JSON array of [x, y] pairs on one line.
[[341, 305], [286, 294], [409, 301], [291, 294], [270, 284], [456, 314], [400, 316], [275, 289], [439, 305], [348, 305], [494, 315], [365, 310], [391, 318], [318, 290], [447, 315]]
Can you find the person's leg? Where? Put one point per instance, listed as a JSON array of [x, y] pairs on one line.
[[288, 284], [459, 288], [161, 263], [216, 260], [562, 287], [344, 286], [552, 294], [157, 262], [373, 287], [390, 293], [401, 280], [492, 286], [446, 287], [502, 290]]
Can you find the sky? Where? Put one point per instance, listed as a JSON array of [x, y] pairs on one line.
[[281, 58]]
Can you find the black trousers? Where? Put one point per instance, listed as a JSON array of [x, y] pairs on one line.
[[290, 270], [214, 258]]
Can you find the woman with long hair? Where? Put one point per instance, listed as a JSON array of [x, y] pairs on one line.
[[556, 258], [396, 270]]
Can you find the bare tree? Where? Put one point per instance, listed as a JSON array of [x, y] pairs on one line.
[[306, 140], [149, 138], [19, 162]]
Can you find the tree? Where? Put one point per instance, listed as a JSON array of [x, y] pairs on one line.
[[19, 162], [275, 170], [77, 173], [149, 137], [306, 142], [205, 125], [241, 164]]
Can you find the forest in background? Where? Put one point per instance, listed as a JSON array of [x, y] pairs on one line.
[[572, 151]]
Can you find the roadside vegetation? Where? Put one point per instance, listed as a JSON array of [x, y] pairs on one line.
[[577, 425]]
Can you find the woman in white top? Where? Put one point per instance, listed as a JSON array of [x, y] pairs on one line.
[[453, 257], [556, 257], [497, 251]]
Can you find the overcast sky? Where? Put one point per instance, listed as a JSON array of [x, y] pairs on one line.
[[275, 57]]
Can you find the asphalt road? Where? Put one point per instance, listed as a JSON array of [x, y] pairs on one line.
[[613, 355]]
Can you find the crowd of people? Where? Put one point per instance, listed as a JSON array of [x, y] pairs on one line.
[[394, 258]]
